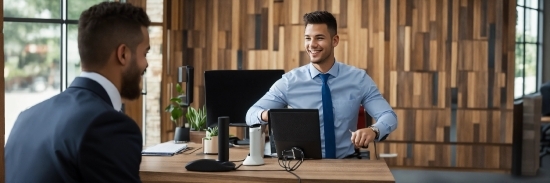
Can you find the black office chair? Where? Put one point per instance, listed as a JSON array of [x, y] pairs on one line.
[[544, 142], [545, 93], [363, 120], [545, 128]]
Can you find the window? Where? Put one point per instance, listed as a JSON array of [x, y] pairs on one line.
[[41, 55], [151, 104], [528, 47]]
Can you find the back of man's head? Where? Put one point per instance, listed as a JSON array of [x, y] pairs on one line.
[[322, 17], [105, 26]]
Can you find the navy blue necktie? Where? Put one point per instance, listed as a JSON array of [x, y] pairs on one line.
[[328, 118]]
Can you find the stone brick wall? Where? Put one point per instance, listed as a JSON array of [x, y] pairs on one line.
[[153, 77], [152, 106]]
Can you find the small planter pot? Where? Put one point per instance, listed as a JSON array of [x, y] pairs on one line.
[[210, 146], [196, 136], [181, 135]]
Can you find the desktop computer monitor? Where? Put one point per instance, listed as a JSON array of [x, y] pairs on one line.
[[296, 128], [232, 92]]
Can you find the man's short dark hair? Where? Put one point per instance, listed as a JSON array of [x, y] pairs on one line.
[[322, 17], [105, 26]]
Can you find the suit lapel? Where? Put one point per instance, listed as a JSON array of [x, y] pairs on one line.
[[88, 84]]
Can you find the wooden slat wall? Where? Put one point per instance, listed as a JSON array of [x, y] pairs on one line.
[[530, 162], [2, 99], [445, 66]]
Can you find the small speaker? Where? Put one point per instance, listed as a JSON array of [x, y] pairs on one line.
[[223, 138]]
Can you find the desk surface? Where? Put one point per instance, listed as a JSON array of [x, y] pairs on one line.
[[172, 169]]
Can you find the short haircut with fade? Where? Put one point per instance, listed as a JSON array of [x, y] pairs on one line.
[[105, 26], [322, 17]]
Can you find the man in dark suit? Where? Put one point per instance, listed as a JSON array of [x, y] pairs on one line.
[[545, 92], [80, 135]]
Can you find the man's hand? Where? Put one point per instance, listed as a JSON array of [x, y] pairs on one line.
[[264, 116], [362, 137]]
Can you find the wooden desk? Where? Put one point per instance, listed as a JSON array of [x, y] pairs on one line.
[[172, 169], [545, 119]]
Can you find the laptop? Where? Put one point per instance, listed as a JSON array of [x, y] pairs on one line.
[[296, 128]]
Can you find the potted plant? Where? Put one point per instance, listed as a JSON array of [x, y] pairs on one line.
[[176, 110], [196, 118], [210, 142]]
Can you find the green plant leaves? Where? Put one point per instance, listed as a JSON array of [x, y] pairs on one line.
[[176, 114], [212, 131], [177, 100], [178, 89], [196, 118], [175, 109]]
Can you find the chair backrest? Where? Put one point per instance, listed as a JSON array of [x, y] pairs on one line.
[[362, 119], [545, 92]]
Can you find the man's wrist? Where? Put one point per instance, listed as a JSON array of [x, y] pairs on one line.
[[376, 131], [262, 116]]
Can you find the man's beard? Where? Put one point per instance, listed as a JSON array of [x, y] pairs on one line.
[[131, 79]]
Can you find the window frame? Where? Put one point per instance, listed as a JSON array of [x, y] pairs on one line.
[[538, 43], [63, 21]]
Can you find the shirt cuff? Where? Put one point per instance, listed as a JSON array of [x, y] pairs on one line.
[[382, 130], [260, 116]]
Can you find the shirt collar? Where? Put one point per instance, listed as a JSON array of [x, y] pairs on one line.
[[334, 70], [109, 87]]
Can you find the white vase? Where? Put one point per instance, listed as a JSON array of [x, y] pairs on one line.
[[210, 146]]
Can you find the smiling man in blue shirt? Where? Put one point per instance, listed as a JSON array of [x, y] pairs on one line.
[[347, 88]]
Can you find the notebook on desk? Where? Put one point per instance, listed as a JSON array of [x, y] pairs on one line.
[[164, 149]]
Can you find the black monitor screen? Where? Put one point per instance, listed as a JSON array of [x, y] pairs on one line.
[[232, 92]]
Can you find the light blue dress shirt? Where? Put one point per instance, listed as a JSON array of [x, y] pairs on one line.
[[350, 87]]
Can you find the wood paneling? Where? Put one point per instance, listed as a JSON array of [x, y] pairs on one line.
[[531, 135], [445, 66], [2, 99]]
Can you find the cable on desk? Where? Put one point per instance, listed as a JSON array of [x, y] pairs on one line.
[[288, 156], [299, 179], [285, 162], [238, 161], [190, 148]]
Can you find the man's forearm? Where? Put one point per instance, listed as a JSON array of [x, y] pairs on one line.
[[253, 116], [386, 123]]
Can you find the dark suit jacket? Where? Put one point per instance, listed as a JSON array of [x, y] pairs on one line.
[[75, 136], [545, 92]]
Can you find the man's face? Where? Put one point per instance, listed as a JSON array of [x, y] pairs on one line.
[[131, 77], [318, 43]]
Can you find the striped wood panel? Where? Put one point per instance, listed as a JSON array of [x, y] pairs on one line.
[[442, 65]]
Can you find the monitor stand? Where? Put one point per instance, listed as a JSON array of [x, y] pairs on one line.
[[245, 140]]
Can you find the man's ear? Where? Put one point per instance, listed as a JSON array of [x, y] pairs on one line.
[[123, 54], [335, 40]]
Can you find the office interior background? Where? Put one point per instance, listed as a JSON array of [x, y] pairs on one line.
[[451, 70]]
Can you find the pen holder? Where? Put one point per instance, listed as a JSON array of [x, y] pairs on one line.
[[210, 145]]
